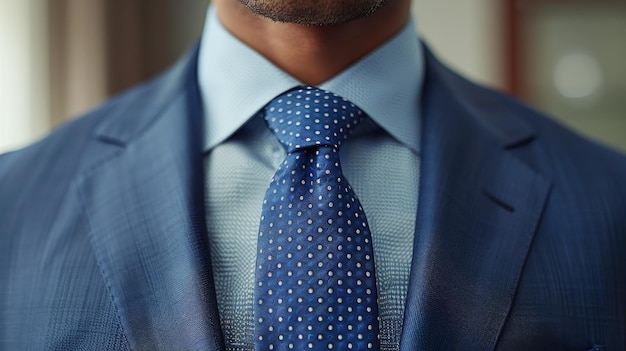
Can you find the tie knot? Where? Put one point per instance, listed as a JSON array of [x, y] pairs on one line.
[[309, 116]]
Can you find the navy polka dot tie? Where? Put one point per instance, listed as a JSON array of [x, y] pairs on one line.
[[315, 283]]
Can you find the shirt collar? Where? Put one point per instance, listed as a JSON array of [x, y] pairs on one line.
[[236, 82]]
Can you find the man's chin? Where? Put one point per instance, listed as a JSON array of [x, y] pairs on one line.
[[312, 13]]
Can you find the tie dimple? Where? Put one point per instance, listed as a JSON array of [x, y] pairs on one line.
[[315, 279]]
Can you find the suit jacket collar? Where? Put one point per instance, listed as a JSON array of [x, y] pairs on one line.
[[478, 210]]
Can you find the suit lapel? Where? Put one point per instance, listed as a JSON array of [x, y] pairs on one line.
[[479, 209], [145, 208]]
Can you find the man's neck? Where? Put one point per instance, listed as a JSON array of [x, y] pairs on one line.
[[313, 54]]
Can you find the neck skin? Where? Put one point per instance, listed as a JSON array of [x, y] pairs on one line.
[[313, 54]]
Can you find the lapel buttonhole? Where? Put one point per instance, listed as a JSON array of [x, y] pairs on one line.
[[498, 202]]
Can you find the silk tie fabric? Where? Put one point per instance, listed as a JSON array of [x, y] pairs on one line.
[[315, 277]]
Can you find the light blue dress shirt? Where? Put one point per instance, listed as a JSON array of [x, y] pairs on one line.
[[380, 160]]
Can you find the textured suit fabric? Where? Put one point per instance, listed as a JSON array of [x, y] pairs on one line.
[[520, 239]]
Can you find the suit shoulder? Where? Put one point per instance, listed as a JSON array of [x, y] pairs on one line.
[[74, 144], [66, 144], [502, 113], [560, 144], [71, 148], [550, 148], [45, 169], [549, 137], [579, 168]]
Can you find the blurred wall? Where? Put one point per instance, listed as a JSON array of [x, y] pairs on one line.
[[571, 63], [60, 58], [24, 92], [144, 37], [78, 56], [101, 47], [466, 34]]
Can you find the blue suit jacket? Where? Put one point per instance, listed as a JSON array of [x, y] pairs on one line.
[[520, 240]]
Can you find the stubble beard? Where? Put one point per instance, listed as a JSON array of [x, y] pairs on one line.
[[313, 12]]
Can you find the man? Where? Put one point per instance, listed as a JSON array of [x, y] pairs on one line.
[[135, 227]]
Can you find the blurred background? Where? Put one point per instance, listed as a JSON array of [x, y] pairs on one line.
[[60, 58]]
